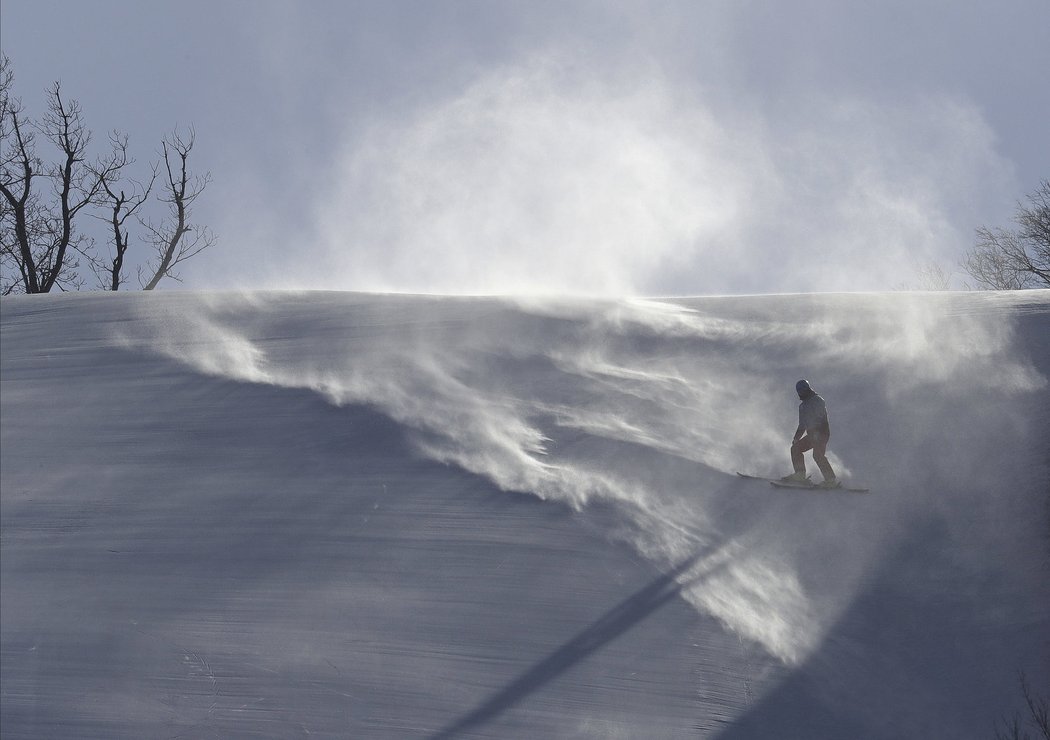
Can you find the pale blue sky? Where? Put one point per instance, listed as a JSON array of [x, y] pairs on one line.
[[599, 147]]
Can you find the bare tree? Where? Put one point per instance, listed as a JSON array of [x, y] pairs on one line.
[[929, 276], [44, 243], [1015, 259], [121, 206], [16, 170], [41, 244], [176, 239], [1038, 717]]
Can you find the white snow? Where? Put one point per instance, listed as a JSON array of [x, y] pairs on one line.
[[344, 515]]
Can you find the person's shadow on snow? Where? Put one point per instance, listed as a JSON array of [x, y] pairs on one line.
[[607, 628]]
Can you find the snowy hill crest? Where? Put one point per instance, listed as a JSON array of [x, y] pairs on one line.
[[634, 415]]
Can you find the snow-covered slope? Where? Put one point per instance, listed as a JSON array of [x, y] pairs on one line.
[[343, 515]]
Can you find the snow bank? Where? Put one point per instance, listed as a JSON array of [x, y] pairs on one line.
[[386, 516]]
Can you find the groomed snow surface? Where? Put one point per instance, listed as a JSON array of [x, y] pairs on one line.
[[343, 515]]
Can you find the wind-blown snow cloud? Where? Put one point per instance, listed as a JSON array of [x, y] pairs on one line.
[[545, 177], [643, 410], [535, 179]]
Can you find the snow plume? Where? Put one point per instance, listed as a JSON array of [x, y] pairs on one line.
[[520, 182], [637, 412], [547, 175]]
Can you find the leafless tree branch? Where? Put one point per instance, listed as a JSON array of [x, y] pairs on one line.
[[120, 205], [176, 239], [1013, 728], [1015, 259], [41, 244]]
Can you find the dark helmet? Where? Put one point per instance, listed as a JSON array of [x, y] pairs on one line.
[[802, 386]]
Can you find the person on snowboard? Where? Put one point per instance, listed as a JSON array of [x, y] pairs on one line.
[[813, 433]]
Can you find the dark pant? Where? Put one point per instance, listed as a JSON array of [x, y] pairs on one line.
[[819, 445]]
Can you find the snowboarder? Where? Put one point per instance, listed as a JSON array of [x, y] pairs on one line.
[[813, 433]]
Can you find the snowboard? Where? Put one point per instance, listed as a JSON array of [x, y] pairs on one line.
[[806, 485]]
